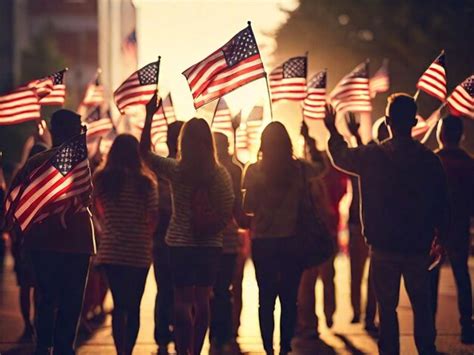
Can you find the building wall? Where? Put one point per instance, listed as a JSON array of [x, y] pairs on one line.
[[6, 45]]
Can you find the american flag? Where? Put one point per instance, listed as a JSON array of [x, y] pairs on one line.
[[63, 180], [233, 65], [433, 80], [352, 92], [241, 139], [422, 126], [222, 120], [288, 81], [461, 100], [254, 127], [94, 94], [169, 109], [57, 94], [19, 106], [138, 88], [315, 101], [380, 82], [97, 123]]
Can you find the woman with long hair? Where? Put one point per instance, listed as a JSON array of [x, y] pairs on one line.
[[272, 188], [202, 203], [126, 199]]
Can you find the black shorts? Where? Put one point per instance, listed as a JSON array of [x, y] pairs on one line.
[[194, 266]]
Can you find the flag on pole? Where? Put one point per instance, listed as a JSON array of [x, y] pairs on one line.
[[233, 65], [222, 120], [19, 106], [288, 81], [63, 180], [380, 82], [94, 94], [461, 100], [315, 101], [241, 138], [352, 92], [97, 124], [169, 109], [433, 80], [138, 88], [57, 89], [254, 126]]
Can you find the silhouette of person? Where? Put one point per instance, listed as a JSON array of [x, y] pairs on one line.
[[126, 200], [459, 168], [272, 191], [404, 202], [163, 313], [60, 255], [202, 203]]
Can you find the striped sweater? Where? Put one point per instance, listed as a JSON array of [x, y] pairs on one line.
[[179, 233], [126, 238]]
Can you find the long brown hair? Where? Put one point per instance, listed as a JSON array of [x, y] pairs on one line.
[[276, 153], [196, 151], [123, 162]]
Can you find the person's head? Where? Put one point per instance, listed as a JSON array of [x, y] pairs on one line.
[[196, 150], [449, 132], [172, 137], [400, 114], [123, 162], [65, 124], [277, 151], [222, 145]]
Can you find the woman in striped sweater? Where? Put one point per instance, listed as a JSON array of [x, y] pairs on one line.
[[126, 199], [202, 203]]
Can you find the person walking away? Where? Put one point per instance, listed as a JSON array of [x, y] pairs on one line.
[[459, 168], [23, 267], [60, 250], [327, 191], [272, 191], [221, 332], [358, 248], [126, 199], [404, 202], [163, 312], [202, 202]]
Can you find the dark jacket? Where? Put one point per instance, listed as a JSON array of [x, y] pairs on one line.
[[459, 168], [51, 234], [403, 191]]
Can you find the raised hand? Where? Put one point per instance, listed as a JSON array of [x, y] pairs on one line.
[[353, 125], [152, 105], [330, 118]]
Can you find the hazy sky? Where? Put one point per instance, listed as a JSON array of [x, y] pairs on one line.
[[184, 32]]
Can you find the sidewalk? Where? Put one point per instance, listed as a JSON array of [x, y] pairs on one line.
[[343, 338]]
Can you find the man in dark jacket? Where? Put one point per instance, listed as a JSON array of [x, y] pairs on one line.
[[459, 168], [60, 248], [404, 202]]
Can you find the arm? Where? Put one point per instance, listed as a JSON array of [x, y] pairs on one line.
[[342, 157], [442, 212], [250, 190], [145, 138], [224, 198], [152, 210]]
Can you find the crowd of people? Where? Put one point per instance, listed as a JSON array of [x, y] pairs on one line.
[[190, 215]]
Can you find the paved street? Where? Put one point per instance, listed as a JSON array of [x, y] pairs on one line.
[[343, 338]]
